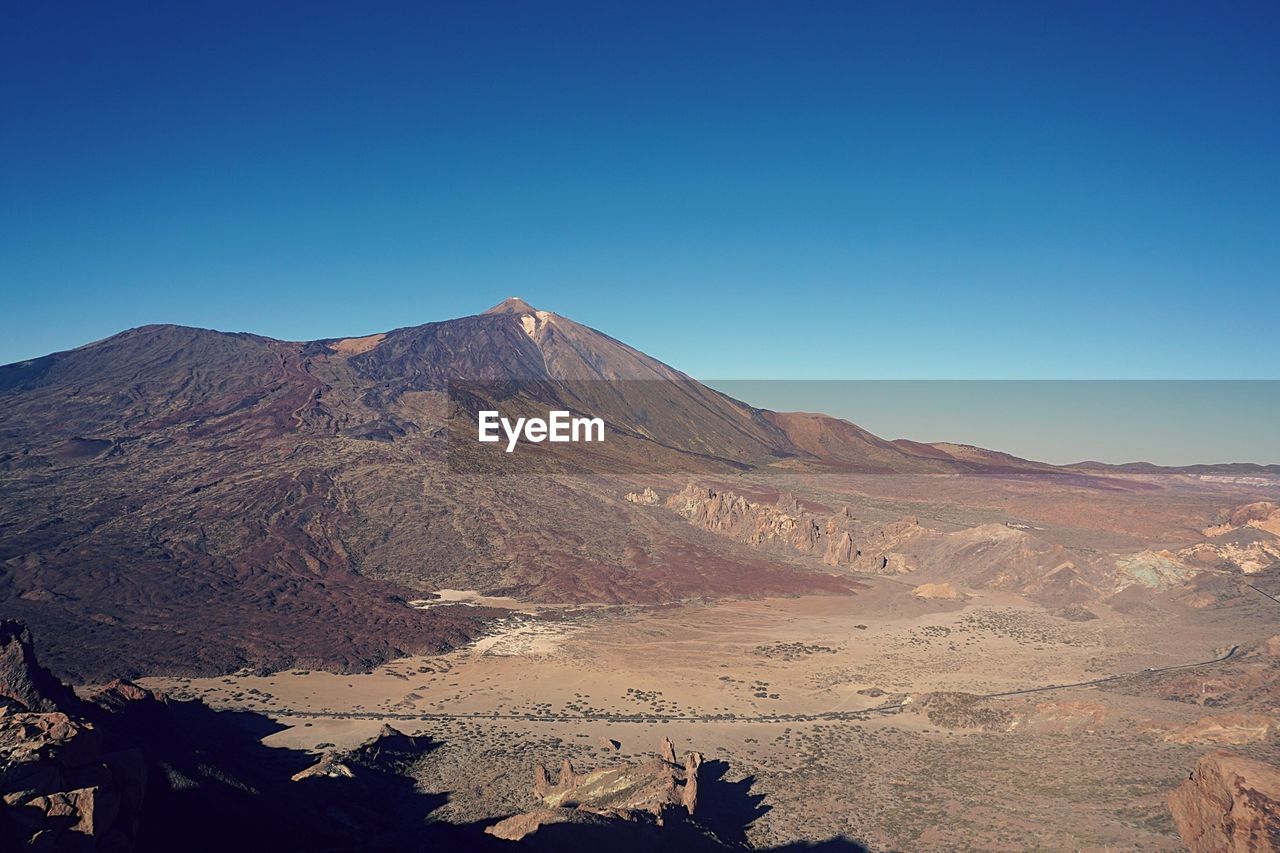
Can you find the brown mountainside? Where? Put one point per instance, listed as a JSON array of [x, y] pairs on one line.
[[194, 500]]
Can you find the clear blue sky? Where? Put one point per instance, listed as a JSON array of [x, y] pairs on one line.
[[744, 190]]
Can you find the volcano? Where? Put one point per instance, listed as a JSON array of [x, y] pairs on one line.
[[199, 501]]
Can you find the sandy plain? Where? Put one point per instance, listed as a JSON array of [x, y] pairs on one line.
[[765, 686]]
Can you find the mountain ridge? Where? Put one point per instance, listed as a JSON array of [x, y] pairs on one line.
[[560, 349]]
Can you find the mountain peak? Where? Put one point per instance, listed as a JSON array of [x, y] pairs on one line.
[[512, 305]]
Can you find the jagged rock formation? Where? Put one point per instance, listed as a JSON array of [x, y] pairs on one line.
[[1229, 804], [23, 681], [755, 524], [870, 549], [128, 768], [648, 497], [62, 789], [689, 795], [646, 792], [840, 539], [988, 556]]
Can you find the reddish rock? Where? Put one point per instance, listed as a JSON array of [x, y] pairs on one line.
[[1230, 804], [689, 796], [541, 780], [667, 751], [119, 694], [59, 789]]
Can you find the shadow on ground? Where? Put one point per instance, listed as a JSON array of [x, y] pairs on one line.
[[213, 786]]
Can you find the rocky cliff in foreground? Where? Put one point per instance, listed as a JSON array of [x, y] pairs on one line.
[[126, 769], [1229, 804]]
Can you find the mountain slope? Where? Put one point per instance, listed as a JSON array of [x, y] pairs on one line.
[[198, 501]]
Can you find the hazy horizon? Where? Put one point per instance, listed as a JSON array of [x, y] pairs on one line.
[[1062, 422]]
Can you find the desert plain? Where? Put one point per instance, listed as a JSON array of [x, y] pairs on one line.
[[853, 717]]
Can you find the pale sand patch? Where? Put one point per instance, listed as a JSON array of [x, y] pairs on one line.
[[355, 346], [471, 597], [523, 639]]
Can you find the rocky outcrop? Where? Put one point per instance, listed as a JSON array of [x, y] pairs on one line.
[[23, 681], [389, 750], [127, 768], [1248, 554], [1229, 804], [840, 539], [60, 788], [645, 792], [758, 525], [330, 766], [1245, 538], [1264, 515], [876, 545], [689, 796], [648, 497], [667, 751], [1158, 570], [518, 826]]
